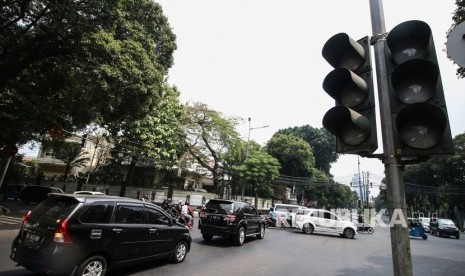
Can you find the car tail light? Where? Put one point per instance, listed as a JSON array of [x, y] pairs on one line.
[[61, 233], [230, 218], [202, 214], [24, 218]]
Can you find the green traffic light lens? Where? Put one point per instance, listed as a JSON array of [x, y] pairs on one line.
[[421, 126]]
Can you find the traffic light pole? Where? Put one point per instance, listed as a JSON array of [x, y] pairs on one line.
[[400, 241]]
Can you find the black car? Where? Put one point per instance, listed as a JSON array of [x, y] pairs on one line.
[[35, 193], [91, 234], [233, 219], [444, 227], [13, 191]]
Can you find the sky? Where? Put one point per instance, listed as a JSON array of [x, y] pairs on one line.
[[261, 59]]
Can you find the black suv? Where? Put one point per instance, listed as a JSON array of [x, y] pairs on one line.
[[90, 234], [232, 219], [35, 193]]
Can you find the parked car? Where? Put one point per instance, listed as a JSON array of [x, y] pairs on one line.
[[444, 227], [13, 191], [425, 222], [319, 220], [286, 213], [233, 219], [36, 193], [90, 235], [88, 193]]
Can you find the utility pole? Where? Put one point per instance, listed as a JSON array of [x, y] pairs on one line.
[[400, 241], [360, 182]]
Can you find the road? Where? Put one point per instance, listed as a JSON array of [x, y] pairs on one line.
[[289, 252]]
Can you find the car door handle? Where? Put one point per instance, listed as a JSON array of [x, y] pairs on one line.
[[117, 230], [153, 230]]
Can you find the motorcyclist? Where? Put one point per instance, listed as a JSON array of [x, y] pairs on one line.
[[272, 216], [185, 213], [145, 198]]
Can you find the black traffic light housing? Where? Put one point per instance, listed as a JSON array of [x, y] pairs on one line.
[[419, 114], [350, 84]]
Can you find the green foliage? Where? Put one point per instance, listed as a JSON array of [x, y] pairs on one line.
[[294, 154], [438, 184], [259, 171], [322, 142], [328, 195], [75, 62], [157, 138]]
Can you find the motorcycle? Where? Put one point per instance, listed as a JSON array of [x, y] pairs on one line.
[[270, 223], [181, 218], [416, 229], [365, 228]]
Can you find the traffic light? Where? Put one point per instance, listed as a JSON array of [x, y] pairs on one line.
[[350, 84], [83, 140], [419, 114]]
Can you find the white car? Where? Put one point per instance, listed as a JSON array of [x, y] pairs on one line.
[[88, 193], [425, 222], [319, 220]]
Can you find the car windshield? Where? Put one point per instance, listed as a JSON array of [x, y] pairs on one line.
[[51, 210], [446, 222]]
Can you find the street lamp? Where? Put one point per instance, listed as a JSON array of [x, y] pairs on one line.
[[248, 137], [247, 150]]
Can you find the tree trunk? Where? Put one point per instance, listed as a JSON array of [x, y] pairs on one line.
[[128, 177]]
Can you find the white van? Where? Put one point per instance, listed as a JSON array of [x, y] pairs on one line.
[[286, 213]]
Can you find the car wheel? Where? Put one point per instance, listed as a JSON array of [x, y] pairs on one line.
[[95, 265], [457, 236], [240, 237], [424, 236], [207, 237], [349, 233], [261, 235], [307, 229], [370, 230], [179, 252]]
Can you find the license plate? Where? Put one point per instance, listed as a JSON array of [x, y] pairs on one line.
[[216, 217], [31, 239]]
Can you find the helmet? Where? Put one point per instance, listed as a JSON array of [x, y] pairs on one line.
[[271, 208]]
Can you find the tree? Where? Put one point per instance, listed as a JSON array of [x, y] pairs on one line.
[[209, 134], [259, 170], [294, 154], [459, 17], [158, 136], [322, 142], [73, 62]]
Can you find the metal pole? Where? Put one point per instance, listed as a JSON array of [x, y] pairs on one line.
[[360, 183], [246, 154], [400, 241]]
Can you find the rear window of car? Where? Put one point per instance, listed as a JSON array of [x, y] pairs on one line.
[[98, 212], [51, 210], [221, 207]]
